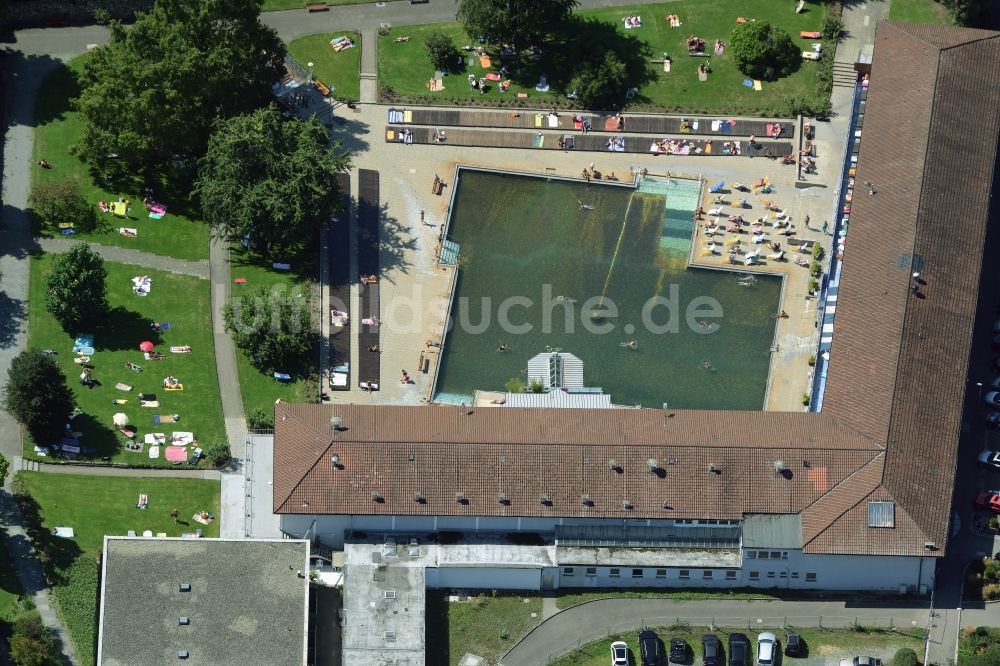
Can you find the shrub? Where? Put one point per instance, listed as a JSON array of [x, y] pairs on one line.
[[76, 293], [763, 51], [514, 385], [813, 285], [816, 269], [991, 592], [30, 642], [58, 202], [258, 419], [833, 26], [536, 386], [994, 523], [818, 252], [905, 657], [218, 454], [811, 360], [805, 399]]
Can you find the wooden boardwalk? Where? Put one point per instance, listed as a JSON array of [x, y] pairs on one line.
[[590, 142], [340, 284], [369, 363], [715, 126]]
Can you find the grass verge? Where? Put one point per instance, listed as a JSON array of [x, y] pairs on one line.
[[574, 598], [260, 390], [404, 67], [486, 625], [57, 129], [334, 68], [184, 302], [94, 506], [277, 5], [919, 11], [818, 643]]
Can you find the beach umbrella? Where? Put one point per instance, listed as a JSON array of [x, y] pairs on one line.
[[146, 346], [120, 419]]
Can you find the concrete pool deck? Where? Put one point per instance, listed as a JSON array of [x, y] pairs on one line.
[[410, 271]]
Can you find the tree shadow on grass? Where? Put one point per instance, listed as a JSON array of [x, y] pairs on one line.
[[393, 245], [122, 330], [97, 440], [55, 554]]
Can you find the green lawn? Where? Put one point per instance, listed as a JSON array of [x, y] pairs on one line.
[[94, 506], [405, 68], [184, 302], [272, 5], [178, 234], [567, 599], [919, 11], [260, 390], [334, 68], [819, 642], [487, 626]]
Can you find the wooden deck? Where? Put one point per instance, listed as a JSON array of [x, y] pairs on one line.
[[714, 126], [590, 142]]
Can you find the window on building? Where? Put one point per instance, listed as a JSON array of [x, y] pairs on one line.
[[784, 555], [730, 575], [881, 514], [783, 574], [684, 573], [754, 575], [568, 571], [707, 573], [763, 554], [636, 573], [591, 571], [661, 573], [775, 555], [615, 573], [810, 577], [751, 554], [770, 574], [795, 574]]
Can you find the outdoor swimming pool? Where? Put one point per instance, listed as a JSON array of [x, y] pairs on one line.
[[525, 241]]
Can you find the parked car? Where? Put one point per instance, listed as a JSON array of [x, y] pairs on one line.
[[619, 654], [678, 651], [650, 648], [710, 650], [993, 421], [739, 650], [861, 661], [992, 399], [990, 458], [767, 648], [988, 499], [793, 645]]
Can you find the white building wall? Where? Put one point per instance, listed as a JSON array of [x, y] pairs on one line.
[[645, 577], [798, 570], [489, 578]]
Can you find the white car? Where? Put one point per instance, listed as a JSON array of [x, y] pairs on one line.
[[619, 654], [767, 649]]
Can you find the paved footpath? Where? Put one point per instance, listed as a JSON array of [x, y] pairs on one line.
[[142, 473], [124, 255]]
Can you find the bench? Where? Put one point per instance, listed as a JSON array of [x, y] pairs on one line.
[[317, 7], [321, 87]]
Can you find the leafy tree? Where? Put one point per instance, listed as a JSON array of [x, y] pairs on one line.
[[763, 51], [58, 202], [76, 292], [514, 385], [37, 395], [518, 22], [258, 419], [536, 386], [4, 467], [31, 643], [218, 454], [905, 657], [151, 94], [603, 84], [832, 27], [273, 329], [271, 179], [440, 49], [969, 12]]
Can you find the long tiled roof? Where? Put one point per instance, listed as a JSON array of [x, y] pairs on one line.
[[894, 396]]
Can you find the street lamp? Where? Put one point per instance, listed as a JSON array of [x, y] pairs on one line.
[[979, 386], [310, 72]]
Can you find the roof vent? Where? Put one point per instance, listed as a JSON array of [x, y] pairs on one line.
[[586, 501], [390, 594], [377, 496], [502, 498], [418, 497], [714, 469], [779, 466], [335, 461], [460, 498], [390, 635], [182, 654], [627, 505], [653, 464], [613, 465], [805, 463], [671, 461], [545, 499], [183, 621], [336, 423], [185, 587], [665, 504], [410, 457], [930, 545]]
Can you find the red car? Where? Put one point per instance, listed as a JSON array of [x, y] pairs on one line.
[[988, 499]]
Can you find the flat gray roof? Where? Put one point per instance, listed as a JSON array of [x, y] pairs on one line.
[[765, 530], [247, 603]]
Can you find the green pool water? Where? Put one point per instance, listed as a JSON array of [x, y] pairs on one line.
[[520, 237]]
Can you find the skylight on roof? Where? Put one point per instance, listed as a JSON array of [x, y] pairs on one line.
[[881, 514]]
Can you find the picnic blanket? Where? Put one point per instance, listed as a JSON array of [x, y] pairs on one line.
[[155, 438], [181, 438], [63, 532], [279, 266], [128, 232], [154, 451], [176, 454], [164, 418], [142, 284], [181, 349], [485, 61], [123, 387], [83, 341], [149, 403], [492, 76]]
